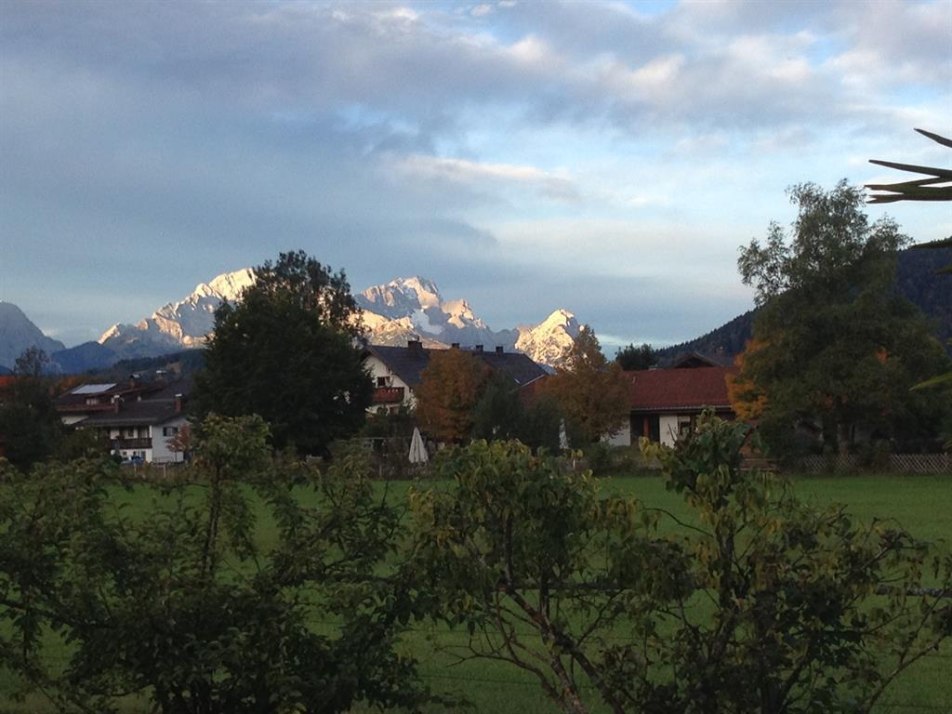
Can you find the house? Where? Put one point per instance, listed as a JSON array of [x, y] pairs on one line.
[[86, 400], [138, 420], [397, 371], [665, 402]]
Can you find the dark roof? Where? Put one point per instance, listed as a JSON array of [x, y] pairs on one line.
[[408, 363], [162, 402], [690, 360], [137, 413], [660, 390]]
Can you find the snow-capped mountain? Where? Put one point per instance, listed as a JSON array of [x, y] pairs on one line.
[[401, 310], [413, 308], [18, 333], [548, 341], [178, 325]]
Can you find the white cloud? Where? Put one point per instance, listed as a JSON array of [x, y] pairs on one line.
[[228, 131], [463, 171]]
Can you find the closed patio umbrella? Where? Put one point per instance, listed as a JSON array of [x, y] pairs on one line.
[[418, 453]]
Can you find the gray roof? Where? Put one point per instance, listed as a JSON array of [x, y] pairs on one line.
[[157, 407], [139, 413], [408, 363]]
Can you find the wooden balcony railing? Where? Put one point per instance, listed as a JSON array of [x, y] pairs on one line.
[[388, 395]]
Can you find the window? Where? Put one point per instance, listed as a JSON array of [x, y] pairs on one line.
[[383, 381], [169, 430], [684, 426]]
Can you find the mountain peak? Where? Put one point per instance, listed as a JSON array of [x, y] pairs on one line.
[[18, 333], [401, 297], [186, 323], [228, 286], [548, 342]]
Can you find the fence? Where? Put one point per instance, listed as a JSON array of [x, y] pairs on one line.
[[895, 463]]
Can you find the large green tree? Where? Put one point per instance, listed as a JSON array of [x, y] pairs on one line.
[[287, 351], [837, 350]]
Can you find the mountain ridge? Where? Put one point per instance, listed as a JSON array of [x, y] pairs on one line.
[[413, 308], [393, 313]]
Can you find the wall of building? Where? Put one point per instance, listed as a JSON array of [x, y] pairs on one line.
[[378, 370], [161, 433]]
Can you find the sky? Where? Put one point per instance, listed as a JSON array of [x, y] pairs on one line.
[[605, 157]]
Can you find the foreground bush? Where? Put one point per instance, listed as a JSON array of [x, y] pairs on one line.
[[181, 607], [759, 604]]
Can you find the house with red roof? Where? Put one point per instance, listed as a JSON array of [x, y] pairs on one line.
[[666, 402]]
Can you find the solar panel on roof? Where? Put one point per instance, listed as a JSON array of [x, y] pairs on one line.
[[93, 388]]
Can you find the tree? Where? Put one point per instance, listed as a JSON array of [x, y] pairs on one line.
[[592, 393], [502, 414], [498, 414], [835, 346], [450, 387], [287, 352], [182, 606], [759, 603], [637, 358], [29, 423]]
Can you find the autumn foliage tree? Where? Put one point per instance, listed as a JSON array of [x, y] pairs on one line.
[[592, 392], [451, 386]]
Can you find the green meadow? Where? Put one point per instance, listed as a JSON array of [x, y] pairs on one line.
[[922, 504]]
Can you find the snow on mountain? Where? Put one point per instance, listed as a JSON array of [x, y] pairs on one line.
[[401, 310], [18, 333], [400, 297], [413, 308], [548, 341], [181, 324]]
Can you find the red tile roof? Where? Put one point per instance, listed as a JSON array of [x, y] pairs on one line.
[[659, 390]]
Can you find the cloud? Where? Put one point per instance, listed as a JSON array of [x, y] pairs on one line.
[[577, 147], [462, 171]]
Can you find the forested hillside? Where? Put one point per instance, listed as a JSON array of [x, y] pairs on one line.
[[917, 279]]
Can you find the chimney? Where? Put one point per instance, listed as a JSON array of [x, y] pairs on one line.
[[178, 403], [499, 349], [454, 345], [479, 348], [414, 346]]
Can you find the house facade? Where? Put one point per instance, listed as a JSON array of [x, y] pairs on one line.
[[397, 371], [139, 423], [666, 402]]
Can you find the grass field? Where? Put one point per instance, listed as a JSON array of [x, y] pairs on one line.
[[923, 504]]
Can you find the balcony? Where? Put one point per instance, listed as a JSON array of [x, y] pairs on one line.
[[388, 395], [137, 444]]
